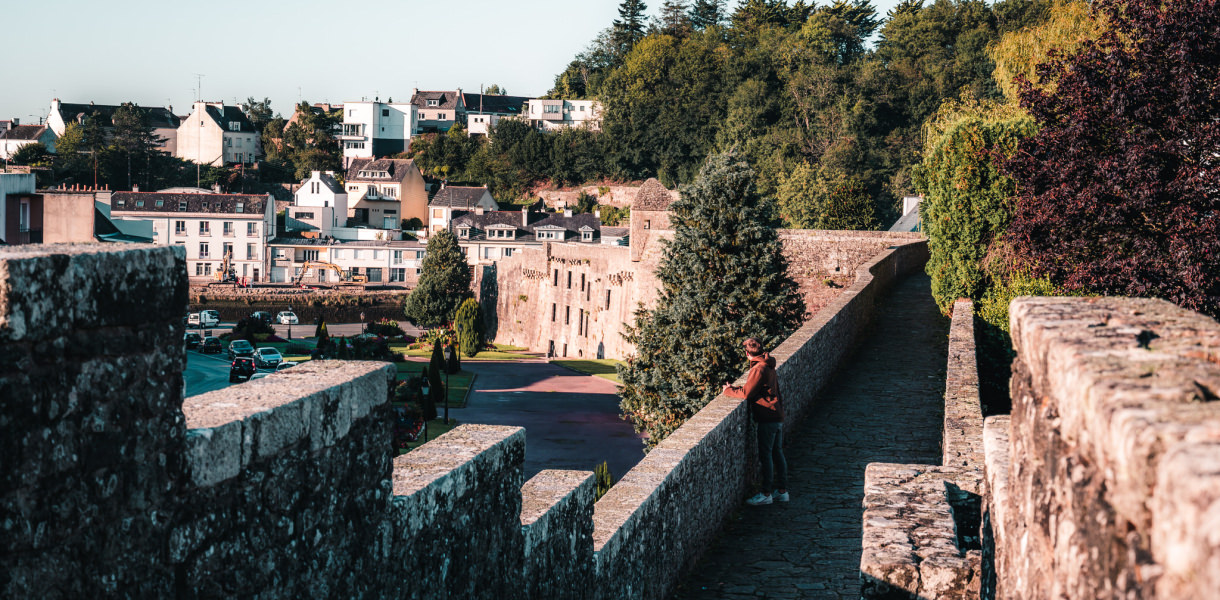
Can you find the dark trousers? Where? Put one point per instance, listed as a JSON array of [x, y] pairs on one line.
[[771, 455]]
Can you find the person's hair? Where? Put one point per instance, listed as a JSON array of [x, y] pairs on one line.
[[753, 346]]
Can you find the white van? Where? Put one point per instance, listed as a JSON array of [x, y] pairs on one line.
[[204, 318]]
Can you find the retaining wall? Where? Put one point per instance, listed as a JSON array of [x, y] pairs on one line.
[[1109, 483]]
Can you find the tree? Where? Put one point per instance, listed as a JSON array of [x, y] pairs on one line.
[[436, 388], [35, 155], [629, 27], [843, 202], [134, 141], [674, 19], [723, 278], [706, 13], [259, 112], [1119, 191], [321, 335], [495, 90], [469, 320], [1019, 52], [443, 283]]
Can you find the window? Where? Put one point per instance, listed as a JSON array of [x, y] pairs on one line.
[[179, 227], [251, 229], [553, 308], [373, 274], [580, 322], [419, 254], [438, 213], [241, 207], [227, 250], [228, 228], [551, 109], [303, 215], [567, 315], [582, 108], [203, 251], [139, 204], [397, 259], [463, 232], [582, 282], [556, 283], [607, 299], [229, 142], [182, 206], [586, 236], [234, 126], [433, 103], [398, 275], [569, 280], [207, 268], [250, 252], [647, 224], [205, 228], [356, 254], [508, 252], [385, 112], [199, 269], [309, 255], [160, 203]]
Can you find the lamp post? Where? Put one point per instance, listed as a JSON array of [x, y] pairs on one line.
[[448, 357], [361, 322], [424, 390], [289, 326]]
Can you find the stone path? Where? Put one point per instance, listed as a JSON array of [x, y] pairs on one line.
[[885, 406]]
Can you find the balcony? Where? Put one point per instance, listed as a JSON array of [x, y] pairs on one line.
[[29, 236]]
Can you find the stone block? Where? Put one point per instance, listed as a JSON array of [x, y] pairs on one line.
[[557, 525]]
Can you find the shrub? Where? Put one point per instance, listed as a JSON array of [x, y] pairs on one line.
[[385, 328], [298, 349], [603, 479]]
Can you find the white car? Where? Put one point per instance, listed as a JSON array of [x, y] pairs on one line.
[[267, 358], [205, 318], [286, 318]]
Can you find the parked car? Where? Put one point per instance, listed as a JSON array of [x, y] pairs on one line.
[[203, 318], [241, 348], [260, 375], [211, 345], [261, 315], [285, 365], [242, 369], [286, 317], [192, 340], [268, 358]]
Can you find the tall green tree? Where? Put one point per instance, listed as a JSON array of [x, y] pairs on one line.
[[443, 283], [134, 143], [706, 13], [723, 278], [259, 112], [469, 321], [674, 19], [629, 27]]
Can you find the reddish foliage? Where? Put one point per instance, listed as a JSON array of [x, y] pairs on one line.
[[1119, 192]]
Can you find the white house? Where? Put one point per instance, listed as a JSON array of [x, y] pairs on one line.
[[376, 129], [380, 262], [218, 135], [162, 120], [550, 115], [483, 111], [320, 202], [16, 136], [456, 198], [487, 236], [208, 225]]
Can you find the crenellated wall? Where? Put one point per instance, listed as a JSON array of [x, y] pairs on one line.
[[1105, 480], [284, 486]]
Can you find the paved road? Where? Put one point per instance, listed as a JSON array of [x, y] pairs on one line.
[[205, 372], [571, 420], [887, 406], [306, 329]]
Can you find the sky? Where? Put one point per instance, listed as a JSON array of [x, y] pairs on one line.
[[151, 52]]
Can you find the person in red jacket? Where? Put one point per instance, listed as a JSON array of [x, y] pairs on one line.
[[761, 393]]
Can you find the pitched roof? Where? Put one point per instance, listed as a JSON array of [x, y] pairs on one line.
[[252, 204], [154, 116], [545, 221], [396, 170], [487, 103], [445, 100], [652, 196], [333, 243], [23, 132], [458, 196], [330, 182], [225, 115]]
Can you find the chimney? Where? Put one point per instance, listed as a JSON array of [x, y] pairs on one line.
[[135, 188], [478, 210], [525, 216], [567, 213], [216, 187], [597, 213]]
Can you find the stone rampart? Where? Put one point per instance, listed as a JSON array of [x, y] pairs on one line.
[[1110, 486], [922, 522]]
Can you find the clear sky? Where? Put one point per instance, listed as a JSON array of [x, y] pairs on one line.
[[149, 51]]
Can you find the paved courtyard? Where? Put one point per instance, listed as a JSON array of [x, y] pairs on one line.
[[886, 405], [571, 420]]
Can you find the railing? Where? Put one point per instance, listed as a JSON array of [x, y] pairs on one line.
[[29, 236]]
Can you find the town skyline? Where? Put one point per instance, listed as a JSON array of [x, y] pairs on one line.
[[125, 35]]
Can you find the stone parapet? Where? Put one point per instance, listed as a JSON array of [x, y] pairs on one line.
[[1114, 488], [997, 466], [920, 533], [963, 438], [557, 522], [91, 363]]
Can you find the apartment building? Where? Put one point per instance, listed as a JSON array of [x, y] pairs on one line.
[[376, 129]]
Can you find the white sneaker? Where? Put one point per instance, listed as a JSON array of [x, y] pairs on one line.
[[759, 499], [780, 496]]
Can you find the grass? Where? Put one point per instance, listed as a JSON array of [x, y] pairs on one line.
[[502, 352], [458, 383], [606, 368], [435, 428]]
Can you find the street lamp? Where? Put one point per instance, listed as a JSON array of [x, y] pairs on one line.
[[290, 326], [448, 357], [361, 322], [424, 390]]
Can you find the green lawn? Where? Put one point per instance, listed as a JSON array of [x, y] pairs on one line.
[[606, 368], [504, 352], [458, 382], [435, 429]]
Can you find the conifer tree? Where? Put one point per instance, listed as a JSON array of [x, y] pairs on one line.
[[674, 19], [443, 284], [706, 13], [723, 279], [469, 320], [629, 27]]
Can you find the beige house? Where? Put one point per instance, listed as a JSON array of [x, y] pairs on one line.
[[438, 111], [455, 199], [383, 192], [218, 135]]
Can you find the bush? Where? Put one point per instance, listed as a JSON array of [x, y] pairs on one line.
[[469, 320], [298, 349], [248, 328], [385, 328]]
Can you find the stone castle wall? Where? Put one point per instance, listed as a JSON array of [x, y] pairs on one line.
[[283, 486], [1105, 480]]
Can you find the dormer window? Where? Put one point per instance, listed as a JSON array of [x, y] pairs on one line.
[[234, 126], [586, 236], [433, 103], [182, 206], [160, 203], [463, 232], [140, 203], [241, 207]]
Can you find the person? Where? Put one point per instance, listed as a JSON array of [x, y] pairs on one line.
[[761, 393]]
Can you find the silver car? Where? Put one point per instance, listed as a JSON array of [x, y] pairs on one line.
[[286, 318]]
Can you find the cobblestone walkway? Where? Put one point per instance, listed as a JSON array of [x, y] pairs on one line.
[[885, 406]]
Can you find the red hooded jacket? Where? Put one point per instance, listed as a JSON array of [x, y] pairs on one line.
[[761, 390]]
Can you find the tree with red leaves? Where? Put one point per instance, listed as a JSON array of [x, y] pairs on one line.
[[1119, 191]]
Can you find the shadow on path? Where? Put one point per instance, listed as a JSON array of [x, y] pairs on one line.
[[885, 405]]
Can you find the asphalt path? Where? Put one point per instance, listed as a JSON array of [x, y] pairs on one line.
[[571, 420]]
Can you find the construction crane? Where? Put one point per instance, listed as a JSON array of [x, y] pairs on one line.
[[345, 277]]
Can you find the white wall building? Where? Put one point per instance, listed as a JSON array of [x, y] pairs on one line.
[[320, 202], [218, 135], [457, 198], [13, 138], [550, 115], [376, 129], [162, 120], [208, 226], [381, 262]]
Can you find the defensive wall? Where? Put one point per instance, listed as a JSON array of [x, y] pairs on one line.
[[1104, 482], [285, 486], [575, 299]]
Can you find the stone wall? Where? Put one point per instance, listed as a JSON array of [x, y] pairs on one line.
[[921, 534], [1109, 486]]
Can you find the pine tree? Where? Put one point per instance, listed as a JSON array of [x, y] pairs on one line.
[[675, 18], [321, 336], [706, 13], [443, 284], [723, 279], [469, 320], [629, 27]]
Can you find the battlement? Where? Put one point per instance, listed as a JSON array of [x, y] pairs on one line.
[[286, 486]]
